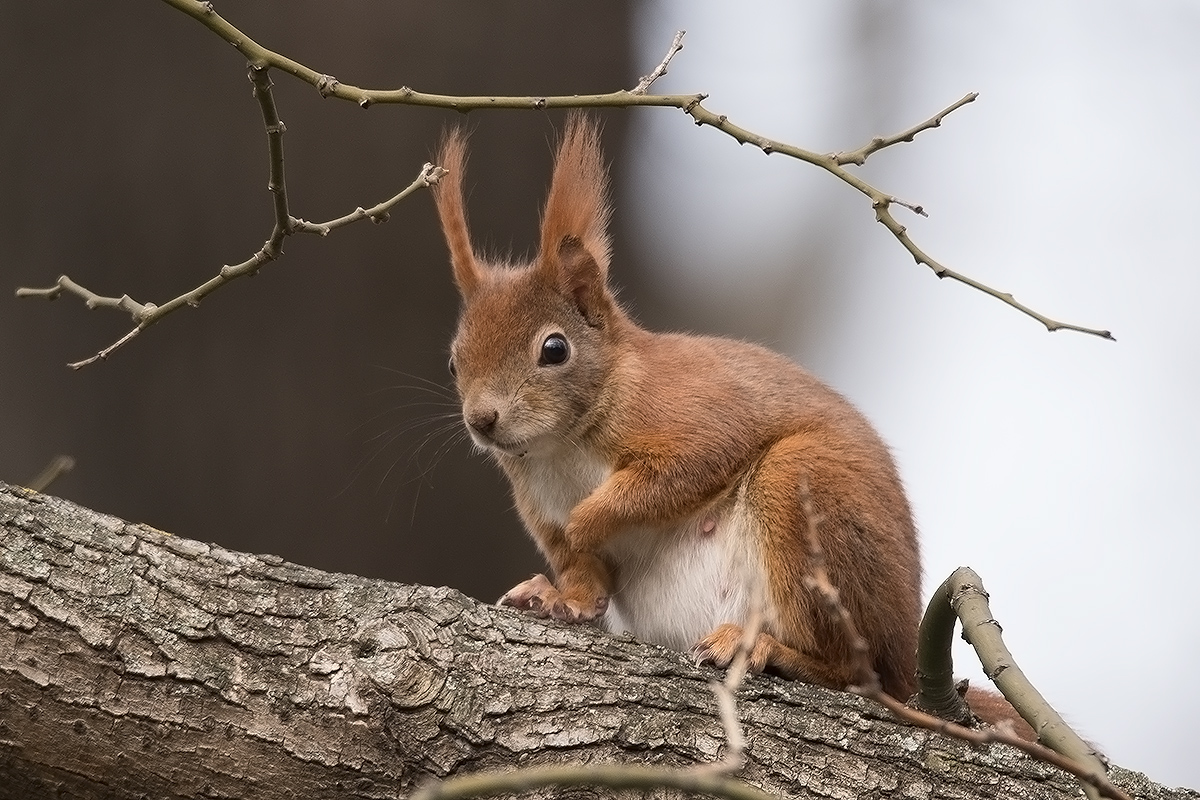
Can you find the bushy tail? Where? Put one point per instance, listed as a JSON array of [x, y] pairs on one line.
[[993, 709]]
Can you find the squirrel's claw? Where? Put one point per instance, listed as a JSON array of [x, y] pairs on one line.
[[539, 597]]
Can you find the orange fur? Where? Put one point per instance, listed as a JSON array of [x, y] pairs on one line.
[[662, 475], [453, 213]]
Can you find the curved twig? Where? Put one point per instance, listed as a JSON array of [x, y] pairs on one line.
[[964, 592], [936, 692]]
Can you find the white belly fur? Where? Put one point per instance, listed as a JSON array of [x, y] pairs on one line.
[[675, 586]]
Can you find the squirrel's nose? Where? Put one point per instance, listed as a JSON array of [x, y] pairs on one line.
[[483, 420]]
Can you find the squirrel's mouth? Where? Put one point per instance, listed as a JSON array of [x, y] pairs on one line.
[[497, 445]]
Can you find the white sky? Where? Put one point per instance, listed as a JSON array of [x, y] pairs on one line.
[[1061, 467]]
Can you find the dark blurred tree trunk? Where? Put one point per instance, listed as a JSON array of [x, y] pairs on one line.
[[134, 663]]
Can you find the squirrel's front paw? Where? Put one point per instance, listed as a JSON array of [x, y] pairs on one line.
[[538, 596], [569, 610]]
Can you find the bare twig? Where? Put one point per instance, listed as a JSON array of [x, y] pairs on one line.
[[58, 466], [834, 163], [876, 144], [117, 345], [145, 315], [884, 215], [1090, 778], [882, 204], [817, 579], [1090, 773], [724, 691], [661, 69], [90, 299], [913, 207]]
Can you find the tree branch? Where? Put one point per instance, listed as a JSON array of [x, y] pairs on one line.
[[834, 163], [134, 663], [261, 59], [876, 144], [964, 592], [145, 315]]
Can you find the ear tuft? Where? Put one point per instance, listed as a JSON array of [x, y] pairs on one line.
[[448, 194], [577, 207]]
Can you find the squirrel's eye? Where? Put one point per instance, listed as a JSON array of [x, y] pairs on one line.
[[452, 368], [555, 349]]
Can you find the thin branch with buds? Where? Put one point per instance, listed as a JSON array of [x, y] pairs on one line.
[[661, 69], [145, 315], [876, 144], [724, 691], [261, 59]]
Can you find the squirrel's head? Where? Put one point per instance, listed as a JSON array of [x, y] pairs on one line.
[[535, 342]]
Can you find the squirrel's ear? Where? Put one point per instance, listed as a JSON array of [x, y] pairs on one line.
[[447, 193], [581, 278], [575, 222]]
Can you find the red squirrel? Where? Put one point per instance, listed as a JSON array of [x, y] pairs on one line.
[[661, 474]]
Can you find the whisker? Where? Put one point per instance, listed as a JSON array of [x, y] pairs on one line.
[[414, 424], [453, 434], [451, 413], [428, 383], [446, 394]]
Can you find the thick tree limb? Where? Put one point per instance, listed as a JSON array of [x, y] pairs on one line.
[[134, 663]]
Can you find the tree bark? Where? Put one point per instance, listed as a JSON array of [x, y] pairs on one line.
[[134, 663]]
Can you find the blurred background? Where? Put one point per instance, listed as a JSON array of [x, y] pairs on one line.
[[306, 412]]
